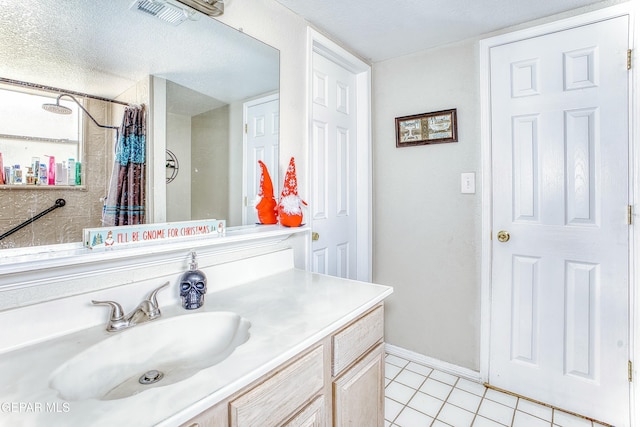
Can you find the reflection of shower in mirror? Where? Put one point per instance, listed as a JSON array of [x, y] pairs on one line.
[[172, 166], [61, 109]]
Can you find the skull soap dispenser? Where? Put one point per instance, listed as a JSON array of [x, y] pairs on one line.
[[193, 286]]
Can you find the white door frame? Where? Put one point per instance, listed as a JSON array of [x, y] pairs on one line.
[[634, 179], [322, 45]]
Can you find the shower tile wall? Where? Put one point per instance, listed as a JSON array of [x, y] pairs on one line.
[[83, 208]]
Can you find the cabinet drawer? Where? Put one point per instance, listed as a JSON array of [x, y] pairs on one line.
[[213, 417], [353, 341], [276, 399]]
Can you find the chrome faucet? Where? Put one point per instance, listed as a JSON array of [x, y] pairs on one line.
[[146, 311]]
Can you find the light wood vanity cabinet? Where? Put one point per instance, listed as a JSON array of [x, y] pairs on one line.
[[337, 382], [358, 372]]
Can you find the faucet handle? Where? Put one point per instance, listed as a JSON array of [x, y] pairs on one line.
[[152, 300], [153, 295], [116, 309]]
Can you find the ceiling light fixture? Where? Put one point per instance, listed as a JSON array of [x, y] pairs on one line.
[[208, 7]]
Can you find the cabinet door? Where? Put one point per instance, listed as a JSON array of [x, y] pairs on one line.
[[359, 392], [311, 416]]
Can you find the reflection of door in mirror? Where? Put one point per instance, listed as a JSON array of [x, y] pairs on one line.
[[261, 118]]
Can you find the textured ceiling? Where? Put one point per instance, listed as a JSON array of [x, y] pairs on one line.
[[103, 48], [383, 29]]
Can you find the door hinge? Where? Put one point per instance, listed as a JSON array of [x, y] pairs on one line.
[[629, 214], [629, 59], [630, 371], [246, 128]]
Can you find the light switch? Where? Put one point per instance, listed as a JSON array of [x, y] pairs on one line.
[[468, 182]]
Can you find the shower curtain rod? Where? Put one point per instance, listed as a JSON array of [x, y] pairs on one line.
[[58, 90]]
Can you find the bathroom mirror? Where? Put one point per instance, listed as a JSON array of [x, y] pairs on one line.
[[110, 49]]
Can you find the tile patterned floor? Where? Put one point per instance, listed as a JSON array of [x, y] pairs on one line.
[[419, 396]]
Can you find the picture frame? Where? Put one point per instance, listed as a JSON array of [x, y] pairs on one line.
[[427, 128]]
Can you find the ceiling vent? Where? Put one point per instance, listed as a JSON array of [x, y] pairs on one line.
[[164, 10]]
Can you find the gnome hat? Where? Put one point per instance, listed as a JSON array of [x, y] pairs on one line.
[[266, 203], [290, 206]]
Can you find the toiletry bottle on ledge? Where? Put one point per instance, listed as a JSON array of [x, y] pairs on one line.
[[43, 178], [71, 172], [35, 164], [52, 171], [17, 175], [2, 176], [78, 174], [31, 179], [61, 173]]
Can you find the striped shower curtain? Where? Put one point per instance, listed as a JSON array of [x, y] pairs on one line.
[[125, 200]]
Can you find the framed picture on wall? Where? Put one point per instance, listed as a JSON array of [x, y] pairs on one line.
[[427, 128]]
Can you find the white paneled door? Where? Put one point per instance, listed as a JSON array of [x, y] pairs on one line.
[[333, 170], [560, 269], [261, 120]]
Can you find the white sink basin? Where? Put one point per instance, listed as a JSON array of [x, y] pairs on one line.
[[178, 347]]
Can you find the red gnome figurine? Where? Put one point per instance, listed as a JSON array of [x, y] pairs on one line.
[[266, 206], [290, 208]]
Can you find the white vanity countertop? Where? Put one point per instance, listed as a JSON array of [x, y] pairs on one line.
[[288, 312]]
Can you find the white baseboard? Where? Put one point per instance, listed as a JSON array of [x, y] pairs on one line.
[[433, 363]]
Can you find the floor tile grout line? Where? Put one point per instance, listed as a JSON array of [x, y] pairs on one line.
[[516, 408], [415, 391], [475, 415], [529, 399], [444, 402], [515, 411]]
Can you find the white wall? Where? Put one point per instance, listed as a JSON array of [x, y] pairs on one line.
[[179, 190], [427, 236], [426, 233], [210, 164]]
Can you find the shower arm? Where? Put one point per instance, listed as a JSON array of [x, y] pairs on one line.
[[88, 114]]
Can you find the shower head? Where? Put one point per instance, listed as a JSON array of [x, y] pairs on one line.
[[61, 109], [56, 108]]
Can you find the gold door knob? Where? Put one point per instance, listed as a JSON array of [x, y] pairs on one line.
[[315, 236], [503, 236]]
